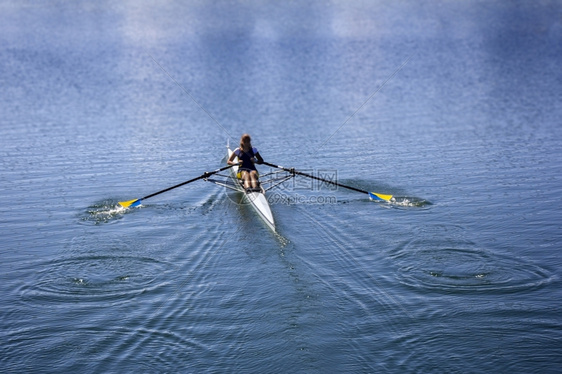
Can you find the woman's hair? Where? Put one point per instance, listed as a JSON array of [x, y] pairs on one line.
[[245, 143]]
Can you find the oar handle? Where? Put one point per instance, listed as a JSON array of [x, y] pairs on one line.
[[295, 172]]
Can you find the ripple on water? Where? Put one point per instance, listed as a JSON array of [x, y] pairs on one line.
[[94, 278], [461, 267]]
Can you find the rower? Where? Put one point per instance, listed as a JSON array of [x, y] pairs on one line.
[[248, 156]]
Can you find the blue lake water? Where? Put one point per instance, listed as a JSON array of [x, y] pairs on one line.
[[452, 107]]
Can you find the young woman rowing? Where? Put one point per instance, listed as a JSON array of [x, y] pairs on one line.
[[248, 156]]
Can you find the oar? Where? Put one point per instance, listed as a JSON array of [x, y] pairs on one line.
[[372, 195], [137, 202]]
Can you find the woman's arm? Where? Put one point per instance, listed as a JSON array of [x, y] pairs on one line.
[[260, 159], [231, 159]]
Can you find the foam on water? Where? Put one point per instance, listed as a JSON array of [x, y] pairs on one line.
[[105, 211]]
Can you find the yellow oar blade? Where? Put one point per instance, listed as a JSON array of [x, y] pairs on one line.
[[126, 204], [379, 196]]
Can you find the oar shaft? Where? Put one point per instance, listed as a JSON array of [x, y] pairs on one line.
[[205, 175], [293, 171], [171, 188]]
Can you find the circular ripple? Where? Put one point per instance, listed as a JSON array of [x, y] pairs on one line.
[[95, 279], [452, 269]]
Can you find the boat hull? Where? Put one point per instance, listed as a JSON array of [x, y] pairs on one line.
[[256, 199]]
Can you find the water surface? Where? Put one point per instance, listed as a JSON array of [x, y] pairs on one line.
[[451, 107]]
